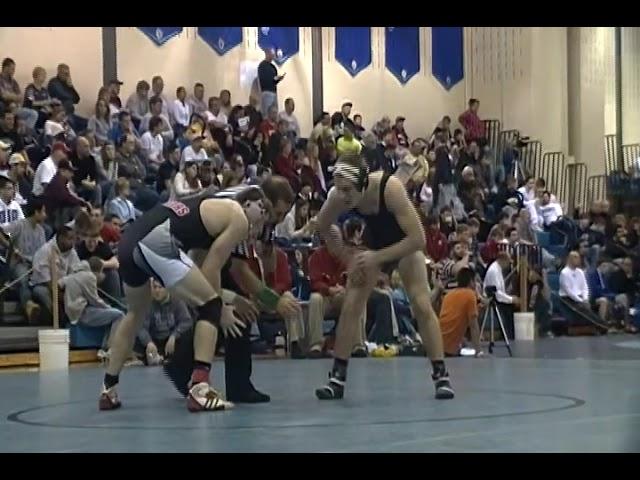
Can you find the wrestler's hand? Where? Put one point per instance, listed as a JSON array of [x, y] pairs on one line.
[[245, 309], [366, 261], [288, 306], [230, 324]]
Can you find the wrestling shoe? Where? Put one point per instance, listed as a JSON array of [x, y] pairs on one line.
[[334, 390], [109, 399], [249, 395], [444, 390], [204, 398]]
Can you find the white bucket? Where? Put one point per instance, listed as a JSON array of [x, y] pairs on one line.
[[524, 324], [54, 349]]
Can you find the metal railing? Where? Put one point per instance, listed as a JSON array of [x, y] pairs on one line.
[[597, 188], [574, 194], [552, 169], [611, 154], [531, 156]]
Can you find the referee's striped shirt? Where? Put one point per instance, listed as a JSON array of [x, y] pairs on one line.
[[243, 249]]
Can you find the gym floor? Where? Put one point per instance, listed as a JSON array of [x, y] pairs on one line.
[[556, 395]]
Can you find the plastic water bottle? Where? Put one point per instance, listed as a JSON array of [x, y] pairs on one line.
[[279, 345]]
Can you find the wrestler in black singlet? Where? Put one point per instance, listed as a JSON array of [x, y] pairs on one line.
[[155, 245], [382, 228]]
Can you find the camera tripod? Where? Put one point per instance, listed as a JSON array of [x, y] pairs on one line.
[[492, 313]]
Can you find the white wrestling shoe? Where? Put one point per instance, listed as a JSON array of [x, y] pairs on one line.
[[204, 398], [109, 399]]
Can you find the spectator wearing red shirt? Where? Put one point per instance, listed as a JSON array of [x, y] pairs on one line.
[[270, 124], [328, 278], [437, 244], [473, 126], [489, 252], [286, 165], [111, 230]]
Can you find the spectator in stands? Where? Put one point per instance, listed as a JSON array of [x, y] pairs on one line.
[[107, 169], [459, 258], [85, 177], [574, 294], [437, 247], [114, 102], [623, 282], [381, 127], [5, 150], [132, 168], [470, 193], [92, 245], [505, 302], [445, 190], [509, 196], [181, 111], [489, 252], [448, 222], [284, 165], [293, 126], [196, 101], [269, 125], [123, 126], [60, 202], [195, 152], [225, 102], [153, 145], [167, 319], [157, 86], [315, 166], [473, 126], [347, 144], [215, 115], [401, 134], [100, 122], [322, 125], [269, 79], [17, 174], [36, 96], [443, 127], [27, 236], [10, 92], [61, 87], [359, 129], [167, 172], [156, 104], [296, 224], [459, 313], [186, 182], [111, 230], [121, 205], [618, 246], [48, 167], [413, 167], [66, 258], [468, 156], [82, 304], [138, 102], [57, 127], [600, 296], [328, 279], [341, 119], [10, 210], [9, 132]]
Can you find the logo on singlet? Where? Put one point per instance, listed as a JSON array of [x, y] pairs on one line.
[[179, 208]]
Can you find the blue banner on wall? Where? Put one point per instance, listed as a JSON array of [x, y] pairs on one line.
[[284, 40], [161, 35], [402, 52], [221, 39], [353, 48], [447, 55]]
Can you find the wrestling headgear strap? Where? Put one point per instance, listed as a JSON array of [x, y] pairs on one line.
[[357, 175]]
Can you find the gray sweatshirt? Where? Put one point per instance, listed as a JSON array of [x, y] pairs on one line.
[[41, 271], [80, 291], [165, 319]]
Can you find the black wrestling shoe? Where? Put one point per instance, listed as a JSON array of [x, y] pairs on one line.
[[334, 390], [179, 367], [360, 351], [444, 390], [250, 395]]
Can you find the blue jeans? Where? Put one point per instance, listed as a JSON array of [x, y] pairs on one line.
[[268, 99], [101, 317]]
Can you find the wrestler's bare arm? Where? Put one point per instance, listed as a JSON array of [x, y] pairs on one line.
[[331, 210], [236, 231], [398, 203]]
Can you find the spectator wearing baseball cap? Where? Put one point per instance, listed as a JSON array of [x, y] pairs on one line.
[[17, 173], [340, 119], [60, 203], [114, 92], [48, 167]]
